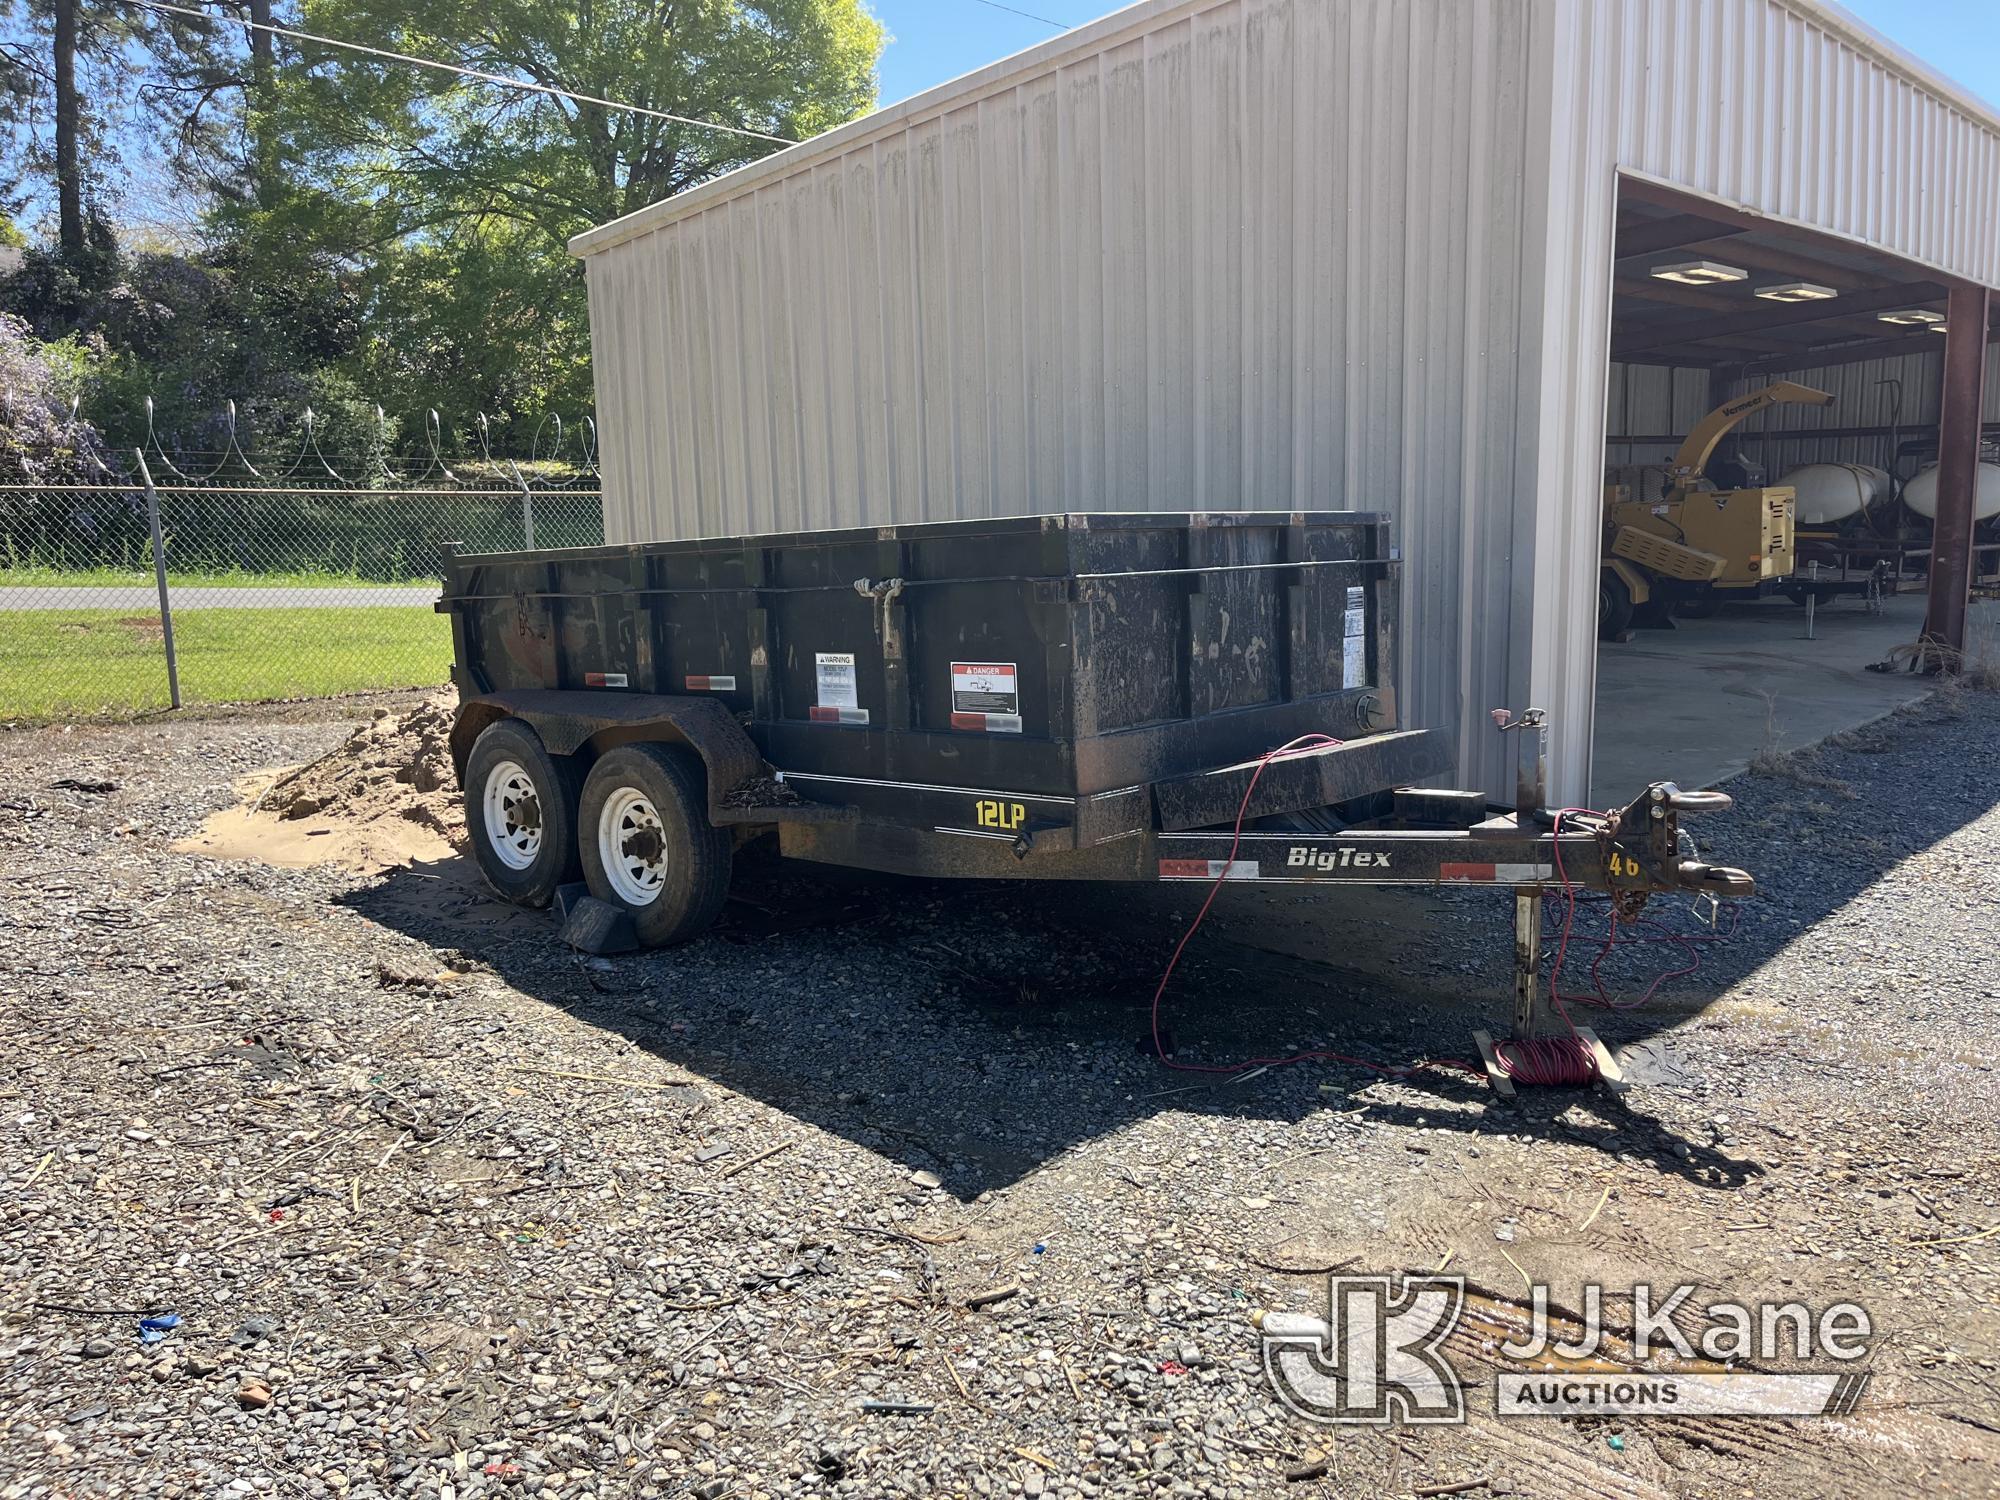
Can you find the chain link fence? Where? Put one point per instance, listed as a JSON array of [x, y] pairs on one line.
[[150, 590]]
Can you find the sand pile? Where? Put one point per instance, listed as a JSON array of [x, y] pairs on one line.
[[385, 796], [396, 765]]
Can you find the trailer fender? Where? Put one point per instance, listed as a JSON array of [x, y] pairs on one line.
[[593, 722]]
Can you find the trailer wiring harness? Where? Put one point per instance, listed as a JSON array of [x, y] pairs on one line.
[[1558, 1061]]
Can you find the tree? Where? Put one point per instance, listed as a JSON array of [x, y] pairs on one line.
[[428, 149], [69, 81], [376, 231], [215, 92]]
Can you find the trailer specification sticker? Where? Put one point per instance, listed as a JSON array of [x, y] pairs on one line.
[[837, 688], [1354, 642], [839, 695], [986, 695]]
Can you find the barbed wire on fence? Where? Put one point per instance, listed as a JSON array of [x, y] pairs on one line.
[[310, 573], [550, 463]]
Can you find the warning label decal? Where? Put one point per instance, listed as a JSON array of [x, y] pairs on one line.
[[1354, 642], [985, 687], [837, 687]]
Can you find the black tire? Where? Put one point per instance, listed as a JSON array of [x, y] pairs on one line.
[[1614, 605], [525, 875], [676, 874]]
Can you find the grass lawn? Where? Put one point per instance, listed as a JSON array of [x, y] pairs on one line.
[[35, 576], [86, 663]]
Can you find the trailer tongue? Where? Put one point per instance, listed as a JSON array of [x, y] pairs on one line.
[[1187, 697]]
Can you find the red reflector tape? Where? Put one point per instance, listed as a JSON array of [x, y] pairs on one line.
[[1497, 874], [1209, 869], [821, 715], [604, 679], [711, 684], [987, 723]]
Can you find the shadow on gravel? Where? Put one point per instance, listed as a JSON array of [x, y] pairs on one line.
[[980, 1031]]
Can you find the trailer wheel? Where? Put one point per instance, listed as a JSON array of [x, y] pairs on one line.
[[520, 813], [1614, 605], [647, 844]]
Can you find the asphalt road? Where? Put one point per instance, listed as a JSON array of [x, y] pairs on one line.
[[141, 597]]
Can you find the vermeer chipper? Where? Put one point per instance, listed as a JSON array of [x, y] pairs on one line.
[[1715, 532], [1070, 697]]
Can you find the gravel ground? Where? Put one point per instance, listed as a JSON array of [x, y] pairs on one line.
[[444, 1210]]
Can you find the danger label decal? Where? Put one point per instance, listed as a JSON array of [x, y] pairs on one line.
[[985, 687]]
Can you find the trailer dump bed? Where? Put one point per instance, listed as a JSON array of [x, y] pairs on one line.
[[1060, 656]]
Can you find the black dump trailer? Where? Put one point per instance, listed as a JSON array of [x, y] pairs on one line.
[[1080, 697]]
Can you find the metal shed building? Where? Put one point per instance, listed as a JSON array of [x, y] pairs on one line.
[[1266, 254]]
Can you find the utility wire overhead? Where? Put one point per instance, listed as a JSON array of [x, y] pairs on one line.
[[444, 67], [1028, 14]]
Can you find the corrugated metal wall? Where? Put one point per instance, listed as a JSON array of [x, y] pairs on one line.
[[1261, 254], [1780, 108], [1650, 401]]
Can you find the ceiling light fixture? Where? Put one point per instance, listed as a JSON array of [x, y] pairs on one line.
[[1797, 291], [1910, 317], [1699, 273]]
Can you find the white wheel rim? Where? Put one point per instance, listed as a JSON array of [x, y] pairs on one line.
[[513, 815], [632, 846]]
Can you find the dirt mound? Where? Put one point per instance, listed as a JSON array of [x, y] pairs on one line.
[[397, 765], [386, 796]]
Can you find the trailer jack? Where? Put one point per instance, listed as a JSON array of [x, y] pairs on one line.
[[1536, 1019], [1641, 853]]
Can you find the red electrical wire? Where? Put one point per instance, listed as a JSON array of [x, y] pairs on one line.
[[1553, 1061]]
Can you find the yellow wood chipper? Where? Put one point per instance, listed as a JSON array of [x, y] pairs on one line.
[[1697, 543]]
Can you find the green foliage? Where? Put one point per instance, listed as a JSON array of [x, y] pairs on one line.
[[379, 232], [486, 315], [423, 148]]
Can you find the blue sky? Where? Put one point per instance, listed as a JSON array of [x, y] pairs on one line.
[[936, 40]]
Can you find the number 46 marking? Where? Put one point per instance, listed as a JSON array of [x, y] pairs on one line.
[[1622, 865]]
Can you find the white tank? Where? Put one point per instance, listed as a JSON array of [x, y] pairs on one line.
[[1920, 494], [1832, 492]]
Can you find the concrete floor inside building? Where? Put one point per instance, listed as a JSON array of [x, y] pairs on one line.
[[1696, 703]]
